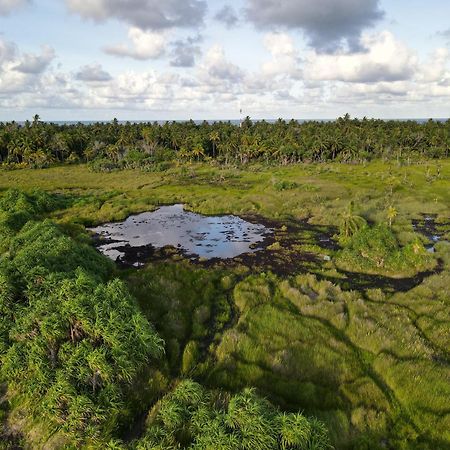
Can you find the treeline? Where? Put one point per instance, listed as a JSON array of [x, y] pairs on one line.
[[151, 145], [80, 363]]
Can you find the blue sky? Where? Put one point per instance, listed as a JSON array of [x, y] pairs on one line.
[[181, 59]]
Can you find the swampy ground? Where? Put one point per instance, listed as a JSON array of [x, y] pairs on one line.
[[367, 352]]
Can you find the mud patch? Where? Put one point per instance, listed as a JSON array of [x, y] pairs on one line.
[[195, 235], [282, 247]]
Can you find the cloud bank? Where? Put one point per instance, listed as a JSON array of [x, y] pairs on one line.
[[327, 24], [144, 14], [8, 6]]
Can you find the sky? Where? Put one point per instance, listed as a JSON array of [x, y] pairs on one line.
[[211, 59]]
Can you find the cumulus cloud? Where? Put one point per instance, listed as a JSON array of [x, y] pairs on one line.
[[184, 53], [218, 68], [227, 15], [21, 72], [8, 51], [326, 23], [93, 73], [285, 59], [143, 45], [436, 69], [34, 64], [386, 59], [7, 6], [144, 14]]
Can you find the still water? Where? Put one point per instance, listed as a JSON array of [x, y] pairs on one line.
[[203, 236]]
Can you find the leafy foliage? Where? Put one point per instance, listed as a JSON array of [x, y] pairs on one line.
[[18, 207], [71, 343], [350, 222], [192, 417], [111, 146], [376, 249]]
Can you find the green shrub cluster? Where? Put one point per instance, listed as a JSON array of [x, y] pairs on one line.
[[133, 159], [71, 342], [191, 417], [18, 207], [376, 250], [284, 185]]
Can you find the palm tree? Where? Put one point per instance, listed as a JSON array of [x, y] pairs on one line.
[[391, 215], [214, 137], [198, 151], [350, 222]]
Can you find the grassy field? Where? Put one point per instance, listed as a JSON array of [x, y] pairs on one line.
[[366, 351]]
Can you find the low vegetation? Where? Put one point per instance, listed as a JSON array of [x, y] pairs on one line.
[[376, 250], [334, 336]]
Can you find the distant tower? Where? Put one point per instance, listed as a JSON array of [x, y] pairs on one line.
[[240, 118]]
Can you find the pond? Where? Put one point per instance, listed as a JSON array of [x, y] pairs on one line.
[[193, 234]]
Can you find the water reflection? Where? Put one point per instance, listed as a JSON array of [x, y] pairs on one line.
[[203, 236]]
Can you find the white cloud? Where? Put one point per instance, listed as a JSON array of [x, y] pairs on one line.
[[436, 69], [144, 45], [7, 6], [20, 73], [218, 69], [386, 59], [326, 23], [7, 51], [31, 63], [185, 52], [228, 16], [144, 14], [93, 73], [285, 60], [388, 73]]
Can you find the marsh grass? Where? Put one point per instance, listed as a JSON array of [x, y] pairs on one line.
[[372, 364]]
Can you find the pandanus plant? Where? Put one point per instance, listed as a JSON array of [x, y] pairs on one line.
[[350, 222]]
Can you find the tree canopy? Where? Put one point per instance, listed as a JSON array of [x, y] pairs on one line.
[[113, 145]]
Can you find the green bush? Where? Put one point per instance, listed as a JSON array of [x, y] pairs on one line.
[[71, 344], [284, 185], [18, 207], [376, 249], [103, 165], [192, 417], [44, 245], [190, 357]]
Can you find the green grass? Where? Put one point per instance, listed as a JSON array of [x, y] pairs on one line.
[[372, 363], [322, 191]]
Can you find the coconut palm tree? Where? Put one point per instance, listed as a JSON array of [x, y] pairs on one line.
[[391, 215], [350, 222]]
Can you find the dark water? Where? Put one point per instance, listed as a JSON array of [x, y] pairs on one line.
[[203, 236], [427, 227]]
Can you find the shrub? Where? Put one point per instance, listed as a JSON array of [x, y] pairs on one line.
[[284, 185], [192, 417], [190, 357], [376, 249]]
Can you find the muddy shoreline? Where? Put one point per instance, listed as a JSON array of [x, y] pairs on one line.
[[278, 253]]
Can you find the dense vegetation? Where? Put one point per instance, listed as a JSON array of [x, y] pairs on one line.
[[350, 330], [109, 146], [74, 350]]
